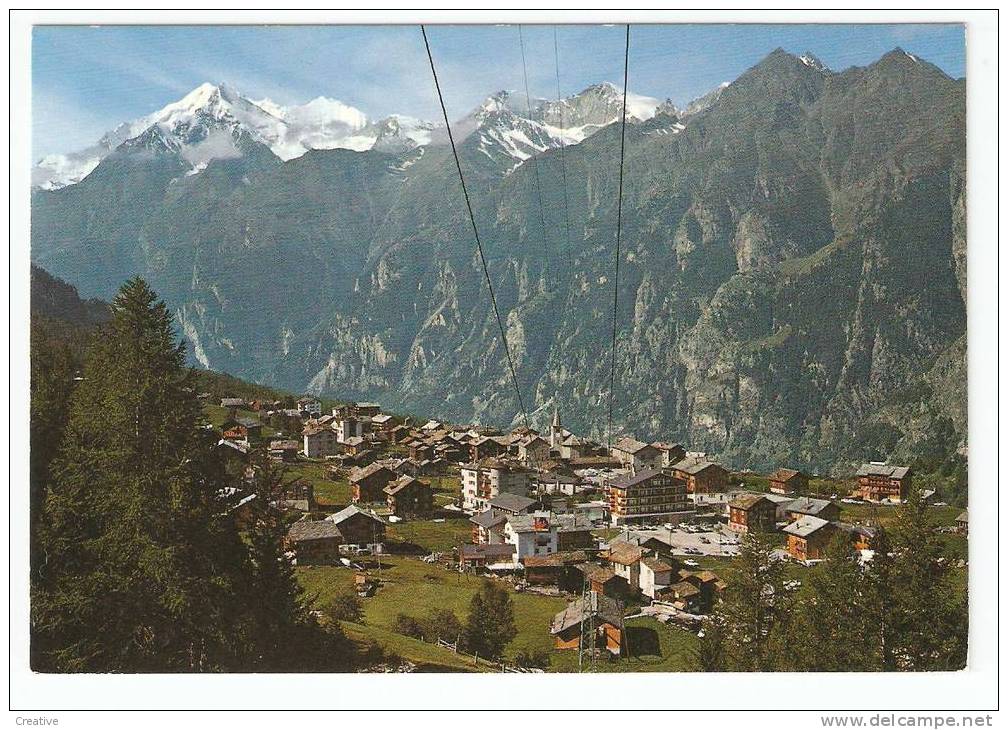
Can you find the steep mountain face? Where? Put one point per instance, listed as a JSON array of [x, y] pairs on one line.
[[792, 275]]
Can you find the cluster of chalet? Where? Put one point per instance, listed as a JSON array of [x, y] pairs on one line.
[[324, 542], [607, 578], [811, 524]]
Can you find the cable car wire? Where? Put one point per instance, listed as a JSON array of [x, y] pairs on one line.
[[563, 164], [472, 219], [619, 227], [535, 160]]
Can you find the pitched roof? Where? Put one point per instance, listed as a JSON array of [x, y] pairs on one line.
[[693, 467], [363, 472], [596, 573], [682, 589], [284, 444], [656, 565], [630, 445], [306, 530], [784, 475], [488, 519], [511, 502], [748, 501], [402, 482], [504, 550], [882, 470], [606, 608], [555, 560], [808, 505], [805, 526], [347, 512], [624, 553], [539, 522], [630, 481], [963, 517]]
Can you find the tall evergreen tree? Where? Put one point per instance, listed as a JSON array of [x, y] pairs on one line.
[[283, 633], [741, 635], [830, 629], [928, 618], [490, 625], [141, 557]]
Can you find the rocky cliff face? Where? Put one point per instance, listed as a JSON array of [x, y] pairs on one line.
[[792, 277]]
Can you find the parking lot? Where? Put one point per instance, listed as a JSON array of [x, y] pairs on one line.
[[713, 541]]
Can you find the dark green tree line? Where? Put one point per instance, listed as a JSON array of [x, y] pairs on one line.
[[900, 611], [140, 565]]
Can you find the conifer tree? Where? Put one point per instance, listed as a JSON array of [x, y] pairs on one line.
[[284, 634], [830, 629], [141, 556], [490, 625], [756, 602], [929, 619]]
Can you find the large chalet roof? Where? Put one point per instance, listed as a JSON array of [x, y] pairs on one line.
[[363, 472], [606, 608], [352, 511], [402, 482], [630, 445], [511, 502], [488, 518], [693, 467], [808, 505], [307, 530], [630, 481], [747, 501], [555, 559], [784, 475], [624, 553], [883, 470], [505, 550], [805, 526]]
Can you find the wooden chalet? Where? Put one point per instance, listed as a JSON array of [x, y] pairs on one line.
[[368, 483], [821, 508], [808, 537], [878, 482], [752, 513], [358, 527], [788, 481], [701, 476], [594, 613], [408, 496], [314, 542]]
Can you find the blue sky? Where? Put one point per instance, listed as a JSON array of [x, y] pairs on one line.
[[86, 80]]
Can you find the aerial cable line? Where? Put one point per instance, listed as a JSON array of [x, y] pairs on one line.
[[619, 227], [472, 219], [535, 161], [563, 163]]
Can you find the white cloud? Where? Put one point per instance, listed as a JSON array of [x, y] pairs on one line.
[[219, 145]]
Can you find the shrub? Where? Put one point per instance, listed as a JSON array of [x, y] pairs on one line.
[[532, 658], [442, 624], [345, 607], [408, 626]]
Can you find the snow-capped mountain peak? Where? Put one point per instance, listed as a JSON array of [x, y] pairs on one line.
[[219, 111]]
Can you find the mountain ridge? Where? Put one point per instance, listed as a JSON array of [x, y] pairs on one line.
[[355, 273]]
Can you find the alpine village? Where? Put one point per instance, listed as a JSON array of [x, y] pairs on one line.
[[291, 533]]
